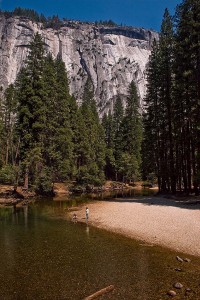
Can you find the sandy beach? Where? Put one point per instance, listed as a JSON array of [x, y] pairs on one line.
[[167, 222]]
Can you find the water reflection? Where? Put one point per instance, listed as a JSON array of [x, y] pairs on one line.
[[87, 230], [43, 256], [66, 202]]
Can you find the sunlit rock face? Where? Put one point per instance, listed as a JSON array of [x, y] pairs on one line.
[[112, 57]]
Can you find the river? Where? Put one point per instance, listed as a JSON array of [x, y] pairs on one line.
[[44, 255]]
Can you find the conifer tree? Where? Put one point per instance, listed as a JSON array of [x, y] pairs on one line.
[[152, 117], [9, 112], [75, 129], [158, 145], [166, 106], [32, 110], [172, 103], [1, 135], [50, 156], [132, 136], [118, 115], [108, 125], [64, 133], [187, 88], [92, 162]]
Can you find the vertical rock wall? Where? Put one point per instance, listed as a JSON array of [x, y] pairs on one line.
[[112, 57]]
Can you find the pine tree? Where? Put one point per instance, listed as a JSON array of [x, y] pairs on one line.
[[9, 113], [118, 115], [75, 129], [187, 88], [1, 135], [151, 118], [50, 156], [92, 160], [166, 105], [108, 125], [32, 110], [132, 135], [64, 133], [158, 145]]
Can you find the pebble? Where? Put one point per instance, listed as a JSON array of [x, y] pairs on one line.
[[179, 259], [171, 293], [178, 270], [187, 259], [178, 285]]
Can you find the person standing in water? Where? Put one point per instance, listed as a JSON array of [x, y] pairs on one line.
[[87, 213]]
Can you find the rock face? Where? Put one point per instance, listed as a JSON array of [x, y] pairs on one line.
[[111, 56]]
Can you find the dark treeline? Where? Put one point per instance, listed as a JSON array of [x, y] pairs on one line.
[[51, 21], [171, 147], [25, 12], [45, 137]]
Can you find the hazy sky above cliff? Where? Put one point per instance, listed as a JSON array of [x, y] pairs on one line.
[[141, 13]]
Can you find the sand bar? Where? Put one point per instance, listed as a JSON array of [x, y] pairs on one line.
[[155, 220]]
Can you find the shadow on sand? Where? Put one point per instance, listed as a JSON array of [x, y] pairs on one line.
[[161, 200]]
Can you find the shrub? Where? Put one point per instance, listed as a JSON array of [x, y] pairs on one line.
[[7, 174]]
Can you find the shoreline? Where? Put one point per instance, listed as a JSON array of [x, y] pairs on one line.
[[169, 223]]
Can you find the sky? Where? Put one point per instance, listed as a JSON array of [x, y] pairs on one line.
[[138, 13]]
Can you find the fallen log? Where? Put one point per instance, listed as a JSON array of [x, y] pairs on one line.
[[100, 292]]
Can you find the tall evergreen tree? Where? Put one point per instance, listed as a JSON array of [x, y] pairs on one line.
[[1, 135], [108, 125], [92, 162], [9, 113], [158, 146], [187, 88], [151, 118], [32, 110], [132, 135], [63, 135], [118, 115], [166, 106]]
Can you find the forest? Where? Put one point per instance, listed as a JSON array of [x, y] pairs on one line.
[[45, 137]]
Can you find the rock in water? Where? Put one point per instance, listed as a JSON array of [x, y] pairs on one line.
[[179, 258], [187, 260], [171, 293], [178, 285]]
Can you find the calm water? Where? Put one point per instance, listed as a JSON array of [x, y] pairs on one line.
[[43, 255]]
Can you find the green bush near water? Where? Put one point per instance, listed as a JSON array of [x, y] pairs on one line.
[[7, 174]]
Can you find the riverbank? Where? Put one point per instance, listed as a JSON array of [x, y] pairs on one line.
[[10, 194], [172, 223]]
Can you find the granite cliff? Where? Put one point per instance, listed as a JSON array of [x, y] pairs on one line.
[[111, 56]]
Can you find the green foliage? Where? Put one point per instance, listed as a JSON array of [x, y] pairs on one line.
[[43, 183], [91, 151], [31, 107], [128, 167], [29, 13], [108, 125], [171, 119], [158, 147], [123, 132], [7, 174], [130, 137], [108, 23]]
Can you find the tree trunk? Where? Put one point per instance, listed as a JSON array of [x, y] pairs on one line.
[[26, 179]]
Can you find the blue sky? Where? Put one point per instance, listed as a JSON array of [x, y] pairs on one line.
[[140, 13]]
